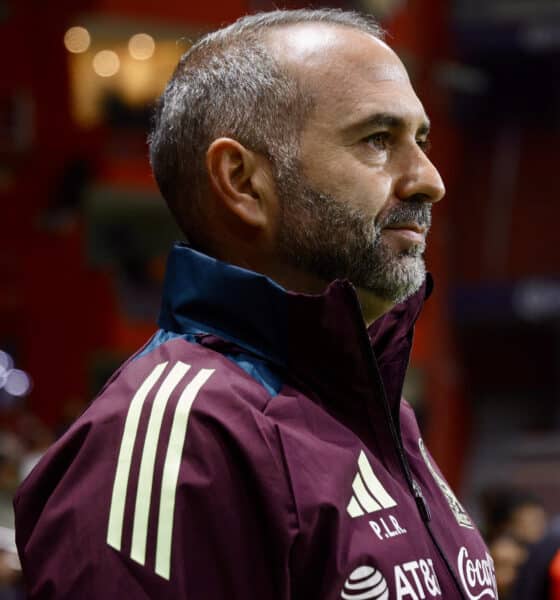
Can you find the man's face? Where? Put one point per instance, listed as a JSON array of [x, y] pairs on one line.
[[357, 201], [328, 237]]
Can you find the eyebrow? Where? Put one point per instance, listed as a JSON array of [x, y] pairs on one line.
[[390, 121]]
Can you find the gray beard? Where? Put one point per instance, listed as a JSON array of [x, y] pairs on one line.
[[324, 236]]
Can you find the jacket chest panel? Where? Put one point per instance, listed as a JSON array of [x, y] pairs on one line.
[[362, 523]]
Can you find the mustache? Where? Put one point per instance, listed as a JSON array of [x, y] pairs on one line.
[[410, 212]]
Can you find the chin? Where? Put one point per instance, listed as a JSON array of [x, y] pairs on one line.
[[399, 280]]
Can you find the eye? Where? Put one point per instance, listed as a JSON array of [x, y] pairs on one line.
[[425, 145], [379, 140]]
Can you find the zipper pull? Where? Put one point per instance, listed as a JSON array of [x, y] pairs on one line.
[[421, 502]]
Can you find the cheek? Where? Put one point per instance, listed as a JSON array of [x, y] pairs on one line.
[[370, 192], [365, 188], [344, 173]]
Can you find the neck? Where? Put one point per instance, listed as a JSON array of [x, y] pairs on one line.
[[372, 306]]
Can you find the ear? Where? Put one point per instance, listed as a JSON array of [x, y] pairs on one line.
[[237, 176]]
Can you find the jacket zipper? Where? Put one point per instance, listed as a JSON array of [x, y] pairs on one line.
[[413, 485]]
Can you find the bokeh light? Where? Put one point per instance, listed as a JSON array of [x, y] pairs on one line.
[[18, 383], [141, 46], [6, 362], [106, 63], [77, 39]]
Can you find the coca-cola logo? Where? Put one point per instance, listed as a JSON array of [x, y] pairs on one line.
[[477, 575]]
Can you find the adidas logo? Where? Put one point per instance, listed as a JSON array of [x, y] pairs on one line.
[[369, 495]]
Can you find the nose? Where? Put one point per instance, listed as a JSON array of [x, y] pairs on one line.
[[419, 179]]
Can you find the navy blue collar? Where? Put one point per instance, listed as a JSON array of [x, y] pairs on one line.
[[317, 337]]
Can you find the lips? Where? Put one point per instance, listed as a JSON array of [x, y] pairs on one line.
[[405, 234], [414, 227]]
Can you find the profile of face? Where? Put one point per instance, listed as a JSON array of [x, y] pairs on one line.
[[356, 199]]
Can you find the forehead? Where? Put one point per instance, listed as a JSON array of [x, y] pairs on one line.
[[348, 72]]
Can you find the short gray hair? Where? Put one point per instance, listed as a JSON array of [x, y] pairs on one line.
[[229, 84]]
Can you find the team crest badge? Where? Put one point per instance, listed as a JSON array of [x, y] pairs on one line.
[[456, 507]]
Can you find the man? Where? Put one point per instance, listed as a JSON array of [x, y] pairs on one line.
[[257, 447], [539, 575]]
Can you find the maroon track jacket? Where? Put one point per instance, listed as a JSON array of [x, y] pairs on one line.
[[256, 448]]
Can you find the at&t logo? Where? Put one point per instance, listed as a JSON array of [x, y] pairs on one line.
[[365, 583]]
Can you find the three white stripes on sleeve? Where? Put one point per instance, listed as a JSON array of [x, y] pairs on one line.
[[147, 465]]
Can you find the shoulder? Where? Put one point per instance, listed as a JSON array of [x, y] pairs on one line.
[[176, 439], [179, 403], [178, 395], [179, 377]]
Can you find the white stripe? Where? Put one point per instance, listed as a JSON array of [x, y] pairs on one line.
[[369, 504], [373, 484], [118, 498], [354, 509], [369, 582], [146, 476], [373, 593], [171, 471]]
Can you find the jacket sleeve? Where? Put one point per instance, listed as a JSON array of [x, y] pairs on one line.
[[197, 507]]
